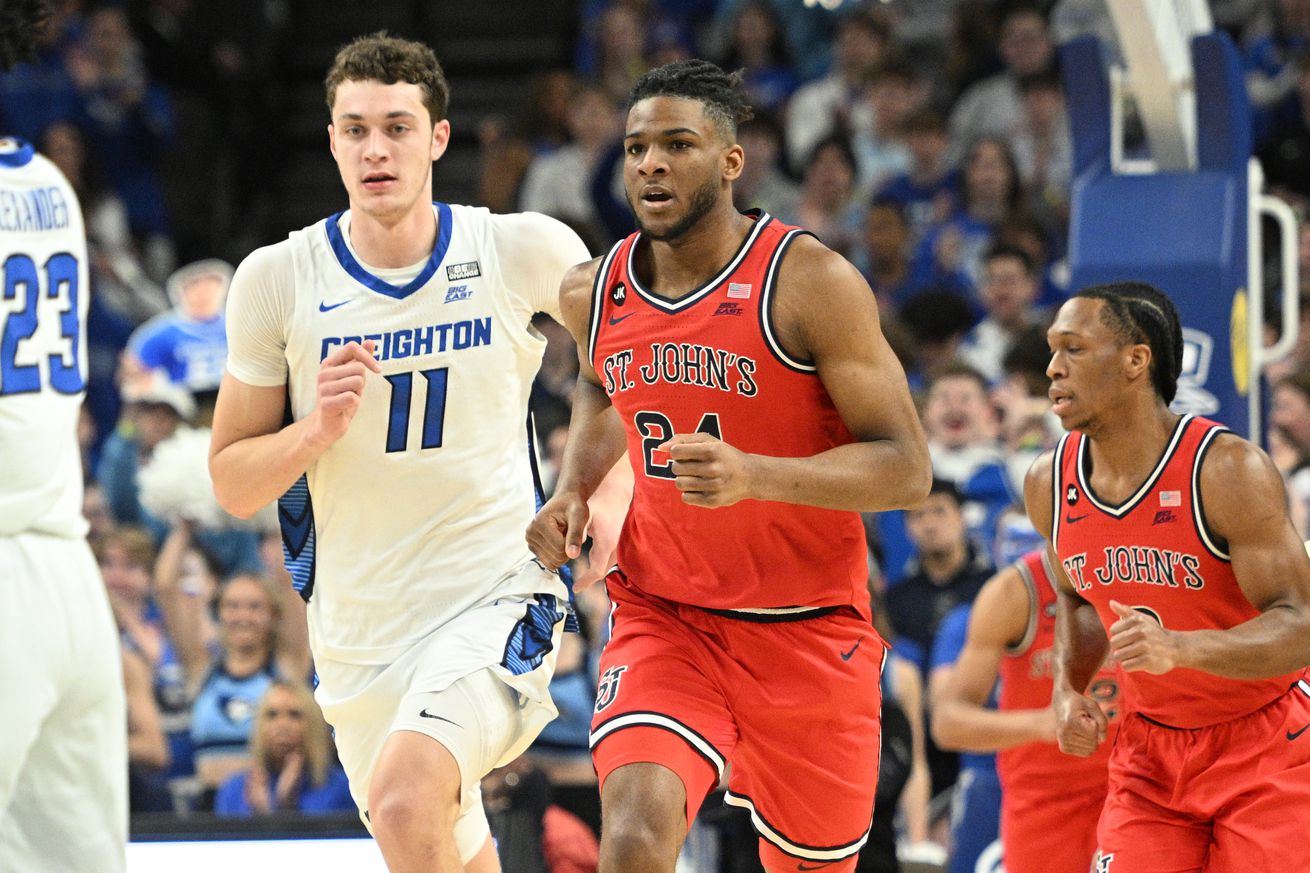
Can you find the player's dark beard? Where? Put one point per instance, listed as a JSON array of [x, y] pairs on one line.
[[703, 199]]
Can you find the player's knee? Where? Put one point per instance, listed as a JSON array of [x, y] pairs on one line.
[[630, 840], [399, 812]]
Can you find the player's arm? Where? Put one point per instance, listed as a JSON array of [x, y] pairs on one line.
[[596, 441], [145, 729], [960, 721], [917, 793], [1245, 504], [825, 313], [253, 459], [1080, 640]]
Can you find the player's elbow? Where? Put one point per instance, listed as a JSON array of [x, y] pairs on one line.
[[227, 491], [947, 730]]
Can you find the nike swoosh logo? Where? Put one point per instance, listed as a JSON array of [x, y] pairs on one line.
[[1293, 735], [845, 656], [426, 714], [615, 319], [1074, 519], [804, 866], [323, 306]]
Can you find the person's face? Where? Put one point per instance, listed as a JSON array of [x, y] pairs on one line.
[[892, 99], [203, 296], [108, 34], [123, 576], [592, 118], [754, 27], [858, 49], [384, 144], [155, 422], [284, 722], [1087, 367], [987, 174], [927, 148], [1290, 415], [886, 234], [958, 412], [245, 615], [620, 34], [1025, 45], [677, 165], [97, 513], [1042, 106], [829, 176], [63, 146], [1008, 290], [936, 525]]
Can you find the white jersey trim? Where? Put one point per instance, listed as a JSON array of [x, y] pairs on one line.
[[1057, 493], [598, 301], [1128, 505], [678, 305], [809, 853], [656, 720], [766, 306], [1198, 516]]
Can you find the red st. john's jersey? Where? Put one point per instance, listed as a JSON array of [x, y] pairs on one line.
[[1155, 553], [710, 362], [1026, 683]]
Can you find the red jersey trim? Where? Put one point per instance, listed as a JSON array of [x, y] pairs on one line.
[[1082, 461], [598, 299], [766, 309], [664, 304], [1034, 604], [1208, 538]]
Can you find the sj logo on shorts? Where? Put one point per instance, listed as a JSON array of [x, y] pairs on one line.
[[1103, 862], [608, 687]]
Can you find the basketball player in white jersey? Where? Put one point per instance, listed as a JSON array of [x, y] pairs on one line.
[[63, 719], [399, 333]]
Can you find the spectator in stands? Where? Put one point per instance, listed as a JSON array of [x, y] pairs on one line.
[[1285, 151], [993, 107], [971, 48], [1274, 62], [129, 122], [884, 259], [1028, 426], [938, 318], [34, 96], [947, 570], [1009, 290], [764, 183], [620, 51], [893, 91], [927, 189], [117, 275], [759, 49], [292, 766], [187, 345], [836, 101], [228, 683], [1289, 417], [557, 183], [532, 833], [1042, 148], [147, 748], [827, 205], [991, 194]]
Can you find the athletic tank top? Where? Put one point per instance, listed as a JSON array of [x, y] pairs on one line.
[[711, 362], [1026, 683], [1155, 553]]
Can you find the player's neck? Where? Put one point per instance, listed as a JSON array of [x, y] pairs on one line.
[[391, 242], [675, 268], [1127, 447]]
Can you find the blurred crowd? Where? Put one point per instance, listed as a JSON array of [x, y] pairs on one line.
[[925, 140]]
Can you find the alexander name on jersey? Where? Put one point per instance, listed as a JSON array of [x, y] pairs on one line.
[[30, 210], [680, 364], [1137, 565]]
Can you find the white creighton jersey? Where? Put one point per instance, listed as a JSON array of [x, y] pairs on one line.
[[412, 516], [42, 346]]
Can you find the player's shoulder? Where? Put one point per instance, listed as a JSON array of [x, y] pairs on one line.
[[821, 278], [529, 231], [1231, 459], [273, 259]]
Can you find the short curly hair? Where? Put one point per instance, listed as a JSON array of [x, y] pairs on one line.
[[719, 92], [1141, 313], [20, 23], [389, 59]]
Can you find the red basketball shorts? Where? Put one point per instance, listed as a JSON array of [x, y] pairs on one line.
[[1052, 830], [1233, 797], [792, 705]]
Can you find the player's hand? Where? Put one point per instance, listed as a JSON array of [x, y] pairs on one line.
[[708, 471], [341, 379], [1140, 643], [1080, 724], [557, 532]]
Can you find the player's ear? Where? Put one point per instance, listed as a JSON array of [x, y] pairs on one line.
[[440, 138], [1139, 359], [734, 160], [332, 139]]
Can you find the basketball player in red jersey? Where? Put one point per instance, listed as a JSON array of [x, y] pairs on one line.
[[741, 364], [1174, 540], [1049, 801]]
